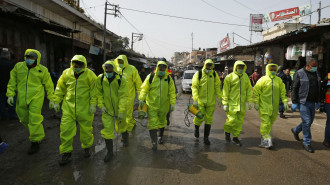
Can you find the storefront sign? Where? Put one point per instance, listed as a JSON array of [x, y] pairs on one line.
[[256, 22], [224, 44], [287, 13], [94, 50]]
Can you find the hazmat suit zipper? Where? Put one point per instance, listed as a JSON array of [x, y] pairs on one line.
[[75, 98], [160, 91], [113, 108], [240, 93], [27, 80], [207, 89], [272, 97]]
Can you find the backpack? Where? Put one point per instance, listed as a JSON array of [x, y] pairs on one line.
[[152, 75], [200, 74]]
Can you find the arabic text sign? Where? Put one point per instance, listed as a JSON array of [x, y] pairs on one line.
[[256, 22], [284, 14], [224, 44]]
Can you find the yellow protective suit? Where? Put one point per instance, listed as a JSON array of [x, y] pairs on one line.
[[267, 93], [133, 81], [77, 92], [204, 91], [112, 93], [237, 90], [29, 83], [160, 94]]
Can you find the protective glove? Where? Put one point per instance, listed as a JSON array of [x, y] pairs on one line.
[[256, 106], [3, 147], [226, 108], [51, 104], [318, 105], [92, 109], [286, 106], [104, 109], [195, 104], [57, 107], [10, 100], [219, 103], [250, 106], [141, 103], [172, 107], [294, 107], [120, 116]]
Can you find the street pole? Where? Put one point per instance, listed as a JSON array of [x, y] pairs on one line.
[[319, 10], [310, 17], [105, 31], [192, 41], [132, 42], [136, 35]]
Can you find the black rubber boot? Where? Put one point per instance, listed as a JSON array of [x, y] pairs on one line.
[[160, 135], [34, 148], [168, 118], [236, 141], [87, 152], [125, 139], [282, 115], [153, 136], [207, 129], [65, 159], [228, 139], [196, 131], [109, 146]]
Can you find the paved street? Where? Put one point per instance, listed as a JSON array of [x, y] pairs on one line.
[[181, 160]]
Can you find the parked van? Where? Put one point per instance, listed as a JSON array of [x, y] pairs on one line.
[[187, 80]]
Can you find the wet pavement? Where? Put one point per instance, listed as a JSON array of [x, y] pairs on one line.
[[183, 159]]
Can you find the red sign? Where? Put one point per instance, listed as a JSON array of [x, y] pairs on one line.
[[224, 44], [284, 14]]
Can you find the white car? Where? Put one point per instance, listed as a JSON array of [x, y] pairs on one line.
[[187, 80]]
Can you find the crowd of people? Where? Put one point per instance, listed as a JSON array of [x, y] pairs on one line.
[[79, 91]]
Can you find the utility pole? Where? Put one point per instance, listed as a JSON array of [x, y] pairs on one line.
[[319, 10], [192, 41], [310, 16], [113, 11], [139, 37]]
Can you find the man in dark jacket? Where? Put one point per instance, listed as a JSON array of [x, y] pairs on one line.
[[143, 74], [306, 91], [5, 67], [286, 78]]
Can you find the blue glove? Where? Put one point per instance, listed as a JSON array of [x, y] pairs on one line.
[[294, 107], [3, 147], [318, 105]]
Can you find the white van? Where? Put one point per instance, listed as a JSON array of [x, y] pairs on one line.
[[187, 80]]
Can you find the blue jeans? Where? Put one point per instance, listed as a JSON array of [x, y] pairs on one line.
[[327, 125], [307, 113], [3, 104], [281, 106]]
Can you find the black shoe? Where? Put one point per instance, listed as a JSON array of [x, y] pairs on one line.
[[228, 139], [295, 135], [326, 144], [196, 131], [160, 135], [236, 141], [34, 148], [125, 139], [160, 140], [109, 146], [308, 148], [65, 159], [282, 115], [87, 153], [153, 136], [207, 141]]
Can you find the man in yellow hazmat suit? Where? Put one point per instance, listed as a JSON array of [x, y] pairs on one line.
[[267, 93], [133, 79], [76, 88], [205, 86], [237, 90], [29, 79], [159, 91], [112, 94]]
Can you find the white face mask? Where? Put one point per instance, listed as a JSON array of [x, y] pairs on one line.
[[207, 71]]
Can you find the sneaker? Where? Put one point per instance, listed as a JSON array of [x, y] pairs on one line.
[[87, 153], [207, 141], [308, 148], [34, 148], [236, 142], [65, 159], [295, 135], [326, 144], [228, 139]]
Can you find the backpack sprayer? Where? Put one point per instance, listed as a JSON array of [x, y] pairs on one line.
[[193, 112], [142, 112]]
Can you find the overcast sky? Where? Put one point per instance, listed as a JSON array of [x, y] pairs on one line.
[[165, 35]]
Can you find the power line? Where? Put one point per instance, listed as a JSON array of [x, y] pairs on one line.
[[221, 10], [186, 18], [245, 6]]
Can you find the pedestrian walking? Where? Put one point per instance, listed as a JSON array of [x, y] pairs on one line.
[[112, 94], [305, 94], [205, 87], [158, 90], [237, 90], [143, 74], [267, 93], [255, 76], [286, 79], [76, 90], [326, 92], [133, 82], [29, 79]]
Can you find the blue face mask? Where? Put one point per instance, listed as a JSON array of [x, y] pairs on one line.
[[121, 65], [109, 75], [29, 61], [314, 69], [239, 71], [77, 70], [272, 72], [161, 73], [207, 71]]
